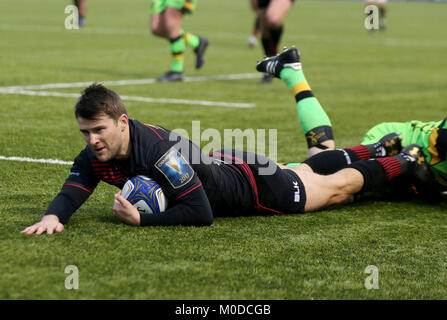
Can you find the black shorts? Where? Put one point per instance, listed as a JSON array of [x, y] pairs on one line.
[[265, 3], [275, 190]]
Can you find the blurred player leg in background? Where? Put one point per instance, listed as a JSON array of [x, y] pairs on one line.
[[382, 13], [314, 121], [271, 16], [166, 18], [82, 8], [253, 38], [381, 5]]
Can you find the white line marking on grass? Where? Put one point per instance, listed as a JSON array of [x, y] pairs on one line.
[[141, 99], [42, 28], [414, 43], [29, 90], [239, 76], [145, 31], [128, 82], [221, 35], [50, 161], [192, 102]]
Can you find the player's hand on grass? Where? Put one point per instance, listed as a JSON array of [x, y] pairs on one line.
[[125, 211], [49, 224]]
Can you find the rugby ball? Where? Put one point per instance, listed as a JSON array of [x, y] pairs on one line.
[[145, 194]]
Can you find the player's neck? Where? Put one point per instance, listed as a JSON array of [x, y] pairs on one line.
[[126, 147]]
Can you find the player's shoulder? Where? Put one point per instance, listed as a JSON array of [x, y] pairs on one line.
[[149, 142], [149, 132], [156, 140]]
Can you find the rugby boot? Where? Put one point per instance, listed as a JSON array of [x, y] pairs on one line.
[[200, 52], [171, 76], [274, 65], [392, 144], [413, 163], [421, 179], [252, 41]]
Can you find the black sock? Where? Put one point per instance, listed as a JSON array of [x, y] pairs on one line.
[[365, 152], [328, 162], [275, 36], [318, 135], [267, 45], [377, 172], [331, 161]]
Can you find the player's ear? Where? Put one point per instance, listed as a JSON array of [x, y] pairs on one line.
[[123, 121]]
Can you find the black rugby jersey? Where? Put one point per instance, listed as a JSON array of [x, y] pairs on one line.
[[196, 185]]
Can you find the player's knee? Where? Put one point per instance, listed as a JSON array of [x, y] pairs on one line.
[[274, 21], [341, 189], [329, 144], [156, 28], [157, 33]]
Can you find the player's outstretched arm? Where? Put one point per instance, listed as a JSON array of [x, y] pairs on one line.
[[193, 209], [68, 200], [49, 224]]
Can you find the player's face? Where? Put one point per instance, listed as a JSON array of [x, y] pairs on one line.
[[105, 136]]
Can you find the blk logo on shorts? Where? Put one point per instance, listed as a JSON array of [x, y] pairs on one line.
[[297, 191]]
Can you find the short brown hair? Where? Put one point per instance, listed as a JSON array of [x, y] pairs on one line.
[[96, 100]]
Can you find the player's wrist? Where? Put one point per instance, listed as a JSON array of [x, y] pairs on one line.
[[49, 217]]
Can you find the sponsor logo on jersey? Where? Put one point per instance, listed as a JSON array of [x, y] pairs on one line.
[[175, 168]]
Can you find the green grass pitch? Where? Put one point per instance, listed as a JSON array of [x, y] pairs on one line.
[[360, 78]]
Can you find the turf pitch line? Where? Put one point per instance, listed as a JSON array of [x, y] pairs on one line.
[[29, 90], [50, 161], [141, 99], [239, 76], [221, 35]]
